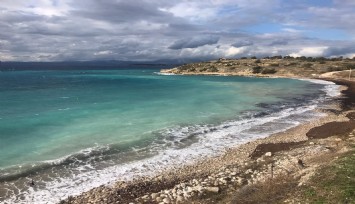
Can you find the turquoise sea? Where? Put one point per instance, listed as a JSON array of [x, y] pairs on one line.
[[70, 131]]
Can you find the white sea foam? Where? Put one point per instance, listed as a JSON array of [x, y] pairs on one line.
[[332, 89], [161, 73], [212, 140]]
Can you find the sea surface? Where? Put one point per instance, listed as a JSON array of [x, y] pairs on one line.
[[70, 131]]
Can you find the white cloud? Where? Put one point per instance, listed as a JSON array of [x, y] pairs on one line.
[[39, 7], [105, 52], [292, 30], [192, 10], [310, 51], [233, 51]]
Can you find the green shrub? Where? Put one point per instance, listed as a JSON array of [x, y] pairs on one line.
[[350, 66], [274, 64], [268, 71], [257, 70], [334, 69], [276, 57], [307, 65], [213, 69], [291, 64]]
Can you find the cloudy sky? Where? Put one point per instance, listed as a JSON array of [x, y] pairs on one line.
[[58, 30]]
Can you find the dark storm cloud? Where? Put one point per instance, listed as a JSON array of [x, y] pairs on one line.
[[279, 42], [242, 43], [194, 42], [120, 11], [339, 50]]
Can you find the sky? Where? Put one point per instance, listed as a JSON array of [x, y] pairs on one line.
[[148, 30]]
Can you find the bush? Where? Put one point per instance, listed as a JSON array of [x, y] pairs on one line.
[[302, 58], [268, 71], [258, 61], [277, 57], [257, 70], [350, 66], [334, 69], [213, 69], [291, 64], [274, 64], [308, 65]]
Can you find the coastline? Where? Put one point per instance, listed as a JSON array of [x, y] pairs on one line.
[[236, 161]]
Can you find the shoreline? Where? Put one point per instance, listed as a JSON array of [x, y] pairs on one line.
[[144, 189]]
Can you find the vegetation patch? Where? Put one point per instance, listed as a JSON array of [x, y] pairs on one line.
[[257, 70], [271, 191], [268, 71], [334, 183]]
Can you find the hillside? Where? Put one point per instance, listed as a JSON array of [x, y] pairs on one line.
[[267, 67]]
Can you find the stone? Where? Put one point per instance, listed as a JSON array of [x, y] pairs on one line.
[[180, 199], [268, 154], [311, 143], [189, 189], [167, 200], [199, 188], [179, 192], [159, 199], [212, 189], [186, 195], [154, 195], [248, 171]]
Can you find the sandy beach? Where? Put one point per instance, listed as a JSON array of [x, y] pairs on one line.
[[295, 152]]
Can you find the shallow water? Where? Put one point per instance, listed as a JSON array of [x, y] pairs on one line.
[[74, 130]]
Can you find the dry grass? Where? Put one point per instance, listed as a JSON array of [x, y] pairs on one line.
[[272, 191]]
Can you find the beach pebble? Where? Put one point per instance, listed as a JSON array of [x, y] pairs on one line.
[[233, 174], [248, 171], [167, 200], [159, 199], [268, 154], [199, 188], [154, 195], [212, 189], [180, 199]]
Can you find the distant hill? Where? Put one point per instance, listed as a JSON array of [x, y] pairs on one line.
[[85, 65], [266, 67]]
